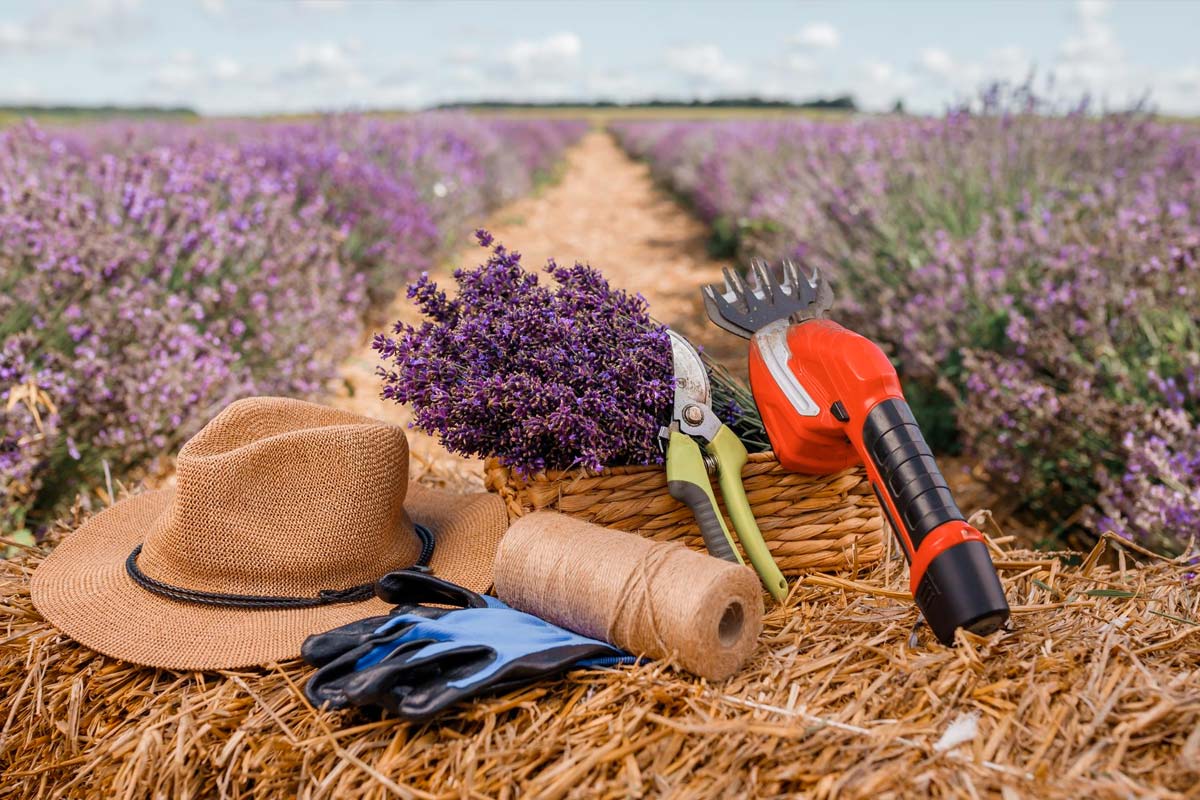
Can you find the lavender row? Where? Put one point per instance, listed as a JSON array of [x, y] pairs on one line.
[[1036, 277], [151, 273]]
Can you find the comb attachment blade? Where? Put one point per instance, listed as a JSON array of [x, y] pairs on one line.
[[742, 307]]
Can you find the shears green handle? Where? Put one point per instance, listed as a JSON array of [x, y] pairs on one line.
[[687, 481], [730, 454]]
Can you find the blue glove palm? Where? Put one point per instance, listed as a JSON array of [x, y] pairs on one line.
[[418, 660]]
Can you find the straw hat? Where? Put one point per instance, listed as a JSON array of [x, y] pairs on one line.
[[283, 515]]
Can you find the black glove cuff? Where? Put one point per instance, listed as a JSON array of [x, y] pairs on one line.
[[411, 587]]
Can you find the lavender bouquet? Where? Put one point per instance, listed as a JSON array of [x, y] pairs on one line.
[[541, 377]]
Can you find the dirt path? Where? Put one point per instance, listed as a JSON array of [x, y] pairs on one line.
[[605, 211]]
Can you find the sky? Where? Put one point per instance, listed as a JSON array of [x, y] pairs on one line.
[[272, 56]]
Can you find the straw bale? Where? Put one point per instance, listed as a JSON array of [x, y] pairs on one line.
[[1095, 693]]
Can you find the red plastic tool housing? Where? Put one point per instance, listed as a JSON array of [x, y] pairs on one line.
[[858, 415]]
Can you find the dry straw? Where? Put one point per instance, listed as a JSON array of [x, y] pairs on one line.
[[1095, 693], [652, 598]]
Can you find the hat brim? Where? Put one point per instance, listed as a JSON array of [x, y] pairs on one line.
[[83, 589]]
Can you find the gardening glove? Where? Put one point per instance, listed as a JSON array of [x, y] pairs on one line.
[[418, 660]]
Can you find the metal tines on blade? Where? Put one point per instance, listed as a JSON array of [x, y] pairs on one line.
[[743, 309]]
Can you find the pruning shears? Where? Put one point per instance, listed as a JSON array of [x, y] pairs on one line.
[[688, 468]]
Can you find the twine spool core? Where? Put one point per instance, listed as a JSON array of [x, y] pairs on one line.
[[730, 626]]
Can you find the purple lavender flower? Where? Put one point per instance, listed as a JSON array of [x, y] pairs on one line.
[[543, 378], [30, 422]]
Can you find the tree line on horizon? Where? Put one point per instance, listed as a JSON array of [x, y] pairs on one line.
[[837, 103]]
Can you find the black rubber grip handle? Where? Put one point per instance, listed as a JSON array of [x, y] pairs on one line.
[[909, 474], [711, 526]]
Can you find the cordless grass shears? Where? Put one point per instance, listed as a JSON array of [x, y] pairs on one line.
[[688, 469], [831, 399]]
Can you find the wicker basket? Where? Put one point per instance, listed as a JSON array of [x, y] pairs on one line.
[[826, 522]]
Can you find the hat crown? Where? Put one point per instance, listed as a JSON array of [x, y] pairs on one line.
[[276, 496]]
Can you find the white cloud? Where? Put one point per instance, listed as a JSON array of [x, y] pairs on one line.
[[80, 24], [1010, 63], [313, 75], [1092, 61], [546, 68], [1186, 78], [183, 75], [321, 62], [225, 68], [323, 5], [879, 71], [818, 35], [937, 62], [617, 84], [13, 37], [706, 68], [463, 55], [797, 63], [91, 22], [543, 58], [465, 74], [1093, 9], [1178, 90], [20, 92], [317, 68], [178, 72], [541, 69], [1094, 41], [408, 96], [948, 79], [331, 75], [878, 84], [792, 76]]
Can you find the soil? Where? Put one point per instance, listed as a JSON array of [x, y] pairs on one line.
[[606, 210]]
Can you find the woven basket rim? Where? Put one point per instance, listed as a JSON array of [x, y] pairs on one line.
[[553, 475]]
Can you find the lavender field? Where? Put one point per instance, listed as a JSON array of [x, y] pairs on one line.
[[152, 272], [1034, 272]]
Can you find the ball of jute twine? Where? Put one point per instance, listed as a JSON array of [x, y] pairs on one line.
[[657, 599]]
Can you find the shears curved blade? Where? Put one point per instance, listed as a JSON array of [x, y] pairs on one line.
[[687, 468]]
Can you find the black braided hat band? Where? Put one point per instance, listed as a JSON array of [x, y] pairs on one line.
[[353, 594]]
